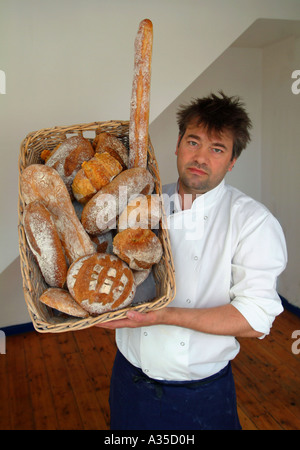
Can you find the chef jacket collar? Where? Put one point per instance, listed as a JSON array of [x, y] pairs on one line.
[[206, 199]]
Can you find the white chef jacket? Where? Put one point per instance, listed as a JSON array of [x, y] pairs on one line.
[[227, 248]]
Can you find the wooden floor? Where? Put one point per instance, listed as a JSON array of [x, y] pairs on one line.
[[61, 381]]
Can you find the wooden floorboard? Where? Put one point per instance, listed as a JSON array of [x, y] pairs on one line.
[[61, 381]]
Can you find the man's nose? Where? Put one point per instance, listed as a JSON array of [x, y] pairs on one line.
[[201, 154]]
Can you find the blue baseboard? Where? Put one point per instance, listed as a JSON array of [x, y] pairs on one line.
[[289, 307], [18, 329]]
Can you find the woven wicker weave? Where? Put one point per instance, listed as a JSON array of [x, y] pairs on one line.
[[44, 318]]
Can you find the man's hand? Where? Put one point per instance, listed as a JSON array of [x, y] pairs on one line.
[[135, 319], [222, 320]]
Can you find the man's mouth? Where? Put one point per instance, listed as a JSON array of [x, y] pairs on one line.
[[197, 171]]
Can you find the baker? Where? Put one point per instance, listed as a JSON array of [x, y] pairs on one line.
[[172, 369]]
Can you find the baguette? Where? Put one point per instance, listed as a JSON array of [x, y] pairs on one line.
[[45, 244], [100, 213], [140, 96], [43, 183]]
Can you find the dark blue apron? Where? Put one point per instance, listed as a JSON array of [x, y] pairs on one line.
[[138, 402]]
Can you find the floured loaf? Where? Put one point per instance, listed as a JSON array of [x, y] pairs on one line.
[[101, 283]]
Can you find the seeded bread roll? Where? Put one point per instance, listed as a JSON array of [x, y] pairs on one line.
[[100, 213], [68, 156], [94, 174], [43, 183], [101, 283], [62, 301], [139, 248], [45, 244]]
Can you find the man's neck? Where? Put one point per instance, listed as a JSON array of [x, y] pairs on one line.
[[187, 197]]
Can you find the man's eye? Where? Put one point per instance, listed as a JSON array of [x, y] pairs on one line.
[[217, 150], [192, 143]]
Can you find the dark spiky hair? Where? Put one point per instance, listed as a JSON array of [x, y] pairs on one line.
[[218, 114]]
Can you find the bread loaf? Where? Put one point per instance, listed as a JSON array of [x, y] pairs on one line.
[[101, 283], [45, 244], [100, 213], [43, 183], [140, 276], [106, 142], [62, 301], [140, 96], [144, 211], [68, 156], [139, 248], [94, 174]]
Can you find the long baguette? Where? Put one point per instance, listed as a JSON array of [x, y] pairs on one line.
[[140, 97]]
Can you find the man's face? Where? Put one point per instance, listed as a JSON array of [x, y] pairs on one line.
[[203, 160]]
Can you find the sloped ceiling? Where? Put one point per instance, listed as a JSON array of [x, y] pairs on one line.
[[264, 32]]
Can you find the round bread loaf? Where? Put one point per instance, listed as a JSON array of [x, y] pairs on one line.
[[139, 248], [68, 156], [101, 283], [62, 301], [100, 213], [45, 244]]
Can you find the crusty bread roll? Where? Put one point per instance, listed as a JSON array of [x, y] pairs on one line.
[[139, 248], [94, 174], [68, 156], [140, 97], [106, 142], [62, 301], [100, 212], [144, 211], [101, 283], [45, 244], [40, 182]]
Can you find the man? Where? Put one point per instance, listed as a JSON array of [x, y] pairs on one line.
[[172, 370]]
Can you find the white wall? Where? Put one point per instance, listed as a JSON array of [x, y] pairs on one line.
[[238, 71], [268, 169], [281, 153], [71, 61]]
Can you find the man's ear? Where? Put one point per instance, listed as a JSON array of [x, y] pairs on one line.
[[232, 163], [177, 145]]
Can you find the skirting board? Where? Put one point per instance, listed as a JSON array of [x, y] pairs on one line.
[[26, 327]]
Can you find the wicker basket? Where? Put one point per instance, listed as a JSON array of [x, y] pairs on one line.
[[45, 319]]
